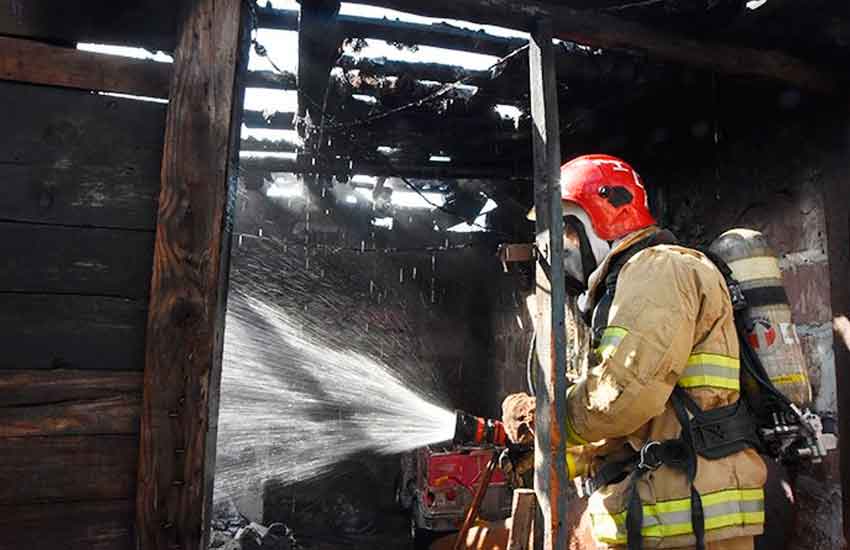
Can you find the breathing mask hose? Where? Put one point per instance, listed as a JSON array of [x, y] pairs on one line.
[[477, 431]]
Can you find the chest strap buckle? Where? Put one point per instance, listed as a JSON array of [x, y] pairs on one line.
[[649, 460]]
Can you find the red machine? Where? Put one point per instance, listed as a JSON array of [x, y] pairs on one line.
[[437, 486]]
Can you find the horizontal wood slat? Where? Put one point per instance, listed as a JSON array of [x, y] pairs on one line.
[[39, 387], [75, 260], [37, 63], [110, 415], [67, 468], [80, 332], [69, 526], [148, 23], [79, 158]]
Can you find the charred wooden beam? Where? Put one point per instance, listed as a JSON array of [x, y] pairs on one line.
[[550, 481], [189, 283], [410, 127], [269, 145], [438, 72], [605, 31], [269, 121], [271, 79], [435, 170], [318, 47], [440, 35], [38, 63]]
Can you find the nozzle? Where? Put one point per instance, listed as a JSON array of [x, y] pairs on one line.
[[475, 430]]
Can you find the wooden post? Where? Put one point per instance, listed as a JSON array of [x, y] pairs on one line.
[[522, 520], [838, 241], [189, 283], [550, 454]]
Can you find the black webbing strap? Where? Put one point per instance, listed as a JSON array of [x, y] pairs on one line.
[[697, 514], [599, 319], [676, 454]]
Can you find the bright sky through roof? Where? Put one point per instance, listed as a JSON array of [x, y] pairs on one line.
[[282, 47]]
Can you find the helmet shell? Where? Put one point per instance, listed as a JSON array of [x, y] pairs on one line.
[[610, 191]]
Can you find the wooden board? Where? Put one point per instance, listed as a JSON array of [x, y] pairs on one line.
[[78, 158], [81, 332], [75, 260], [37, 63], [39, 387], [550, 482], [189, 284], [67, 468], [109, 415], [69, 526], [148, 23], [838, 238]]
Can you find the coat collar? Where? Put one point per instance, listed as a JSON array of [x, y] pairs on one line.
[[588, 299]]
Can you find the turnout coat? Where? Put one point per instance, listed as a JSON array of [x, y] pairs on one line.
[[670, 323]]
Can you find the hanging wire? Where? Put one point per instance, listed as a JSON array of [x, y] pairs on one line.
[[358, 122]]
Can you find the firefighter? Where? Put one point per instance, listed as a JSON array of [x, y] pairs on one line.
[[665, 351]]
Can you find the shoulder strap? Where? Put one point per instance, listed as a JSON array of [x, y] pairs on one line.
[[599, 315]]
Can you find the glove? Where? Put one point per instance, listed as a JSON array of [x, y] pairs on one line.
[[518, 467], [518, 418]]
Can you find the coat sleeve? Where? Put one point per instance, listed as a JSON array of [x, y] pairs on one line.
[[643, 351]]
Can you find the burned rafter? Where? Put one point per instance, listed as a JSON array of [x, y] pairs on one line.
[[318, 48], [269, 145], [434, 170], [608, 32], [272, 80], [441, 35]]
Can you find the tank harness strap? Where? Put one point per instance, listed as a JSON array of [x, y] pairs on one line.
[[673, 453], [598, 317]]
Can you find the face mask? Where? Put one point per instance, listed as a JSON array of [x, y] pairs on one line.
[[583, 250]]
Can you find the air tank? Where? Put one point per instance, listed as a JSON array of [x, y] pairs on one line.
[[770, 329]]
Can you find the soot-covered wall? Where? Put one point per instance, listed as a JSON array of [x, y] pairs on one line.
[[769, 170]]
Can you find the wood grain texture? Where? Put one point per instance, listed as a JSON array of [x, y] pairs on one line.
[[550, 482], [609, 32], [78, 158], [189, 284], [522, 516], [38, 63], [67, 468], [835, 194], [148, 23], [65, 331], [68, 525], [75, 260], [118, 414], [39, 387]]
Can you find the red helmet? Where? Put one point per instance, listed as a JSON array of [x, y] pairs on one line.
[[611, 193]]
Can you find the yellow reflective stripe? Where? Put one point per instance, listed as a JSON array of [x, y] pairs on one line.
[[571, 466], [573, 438], [711, 370], [795, 378], [714, 359], [672, 518], [611, 338]]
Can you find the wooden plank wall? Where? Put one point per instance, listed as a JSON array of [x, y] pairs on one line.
[[80, 179]]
